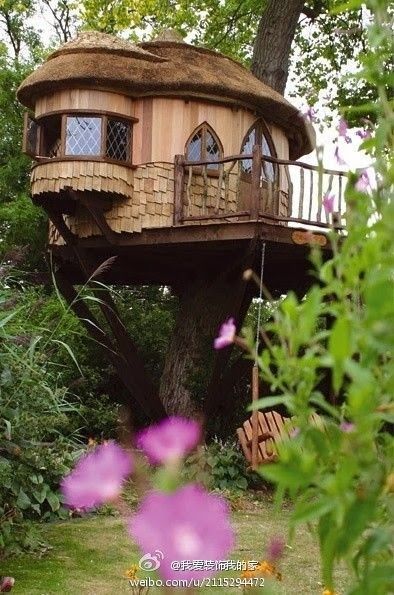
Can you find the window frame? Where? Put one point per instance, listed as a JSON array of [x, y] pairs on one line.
[[205, 127], [262, 131], [29, 117], [64, 114]]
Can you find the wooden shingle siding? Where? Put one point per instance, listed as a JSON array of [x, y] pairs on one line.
[[57, 175]]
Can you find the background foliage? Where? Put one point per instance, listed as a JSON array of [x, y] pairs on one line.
[[340, 474]]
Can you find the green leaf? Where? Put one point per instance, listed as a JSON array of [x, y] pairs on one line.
[[310, 312], [53, 501], [339, 342], [278, 473], [41, 495], [23, 501], [69, 351], [319, 400], [339, 346], [267, 402], [36, 508], [309, 511], [346, 6], [356, 521]]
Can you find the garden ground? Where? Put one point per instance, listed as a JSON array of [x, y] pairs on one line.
[[90, 556]]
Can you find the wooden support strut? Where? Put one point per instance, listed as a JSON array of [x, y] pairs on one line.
[[179, 177], [96, 211]]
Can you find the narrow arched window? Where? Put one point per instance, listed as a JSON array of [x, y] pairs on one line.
[[204, 145], [258, 134]]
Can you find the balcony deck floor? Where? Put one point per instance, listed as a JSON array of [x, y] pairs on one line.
[[172, 256]]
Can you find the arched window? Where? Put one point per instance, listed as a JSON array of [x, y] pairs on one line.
[[204, 144], [258, 134]]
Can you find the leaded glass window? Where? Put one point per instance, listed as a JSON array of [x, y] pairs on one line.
[[103, 137], [204, 145], [83, 135], [259, 135], [118, 143]]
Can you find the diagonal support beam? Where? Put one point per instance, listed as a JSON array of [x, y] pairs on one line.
[[131, 377], [123, 353], [95, 208]]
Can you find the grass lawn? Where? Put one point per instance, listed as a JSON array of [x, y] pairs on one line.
[[91, 555]]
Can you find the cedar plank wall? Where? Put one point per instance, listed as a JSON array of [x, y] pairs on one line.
[[163, 127]]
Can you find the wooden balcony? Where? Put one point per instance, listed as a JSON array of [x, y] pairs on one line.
[[264, 188], [221, 210]]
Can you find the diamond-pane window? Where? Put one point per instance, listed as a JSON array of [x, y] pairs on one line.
[[194, 147], [258, 135], [118, 143], [204, 145], [83, 135]]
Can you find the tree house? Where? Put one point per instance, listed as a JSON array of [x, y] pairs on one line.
[[177, 161]]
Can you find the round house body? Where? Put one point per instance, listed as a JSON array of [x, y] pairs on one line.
[[107, 119]]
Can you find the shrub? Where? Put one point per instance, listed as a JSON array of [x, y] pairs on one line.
[[38, 438], [219, 465]]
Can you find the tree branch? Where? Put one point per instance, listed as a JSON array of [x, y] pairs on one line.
[[312, 12]]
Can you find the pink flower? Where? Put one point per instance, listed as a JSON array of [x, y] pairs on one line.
[[275, 548], [338, 157], [342, 130], [363, 182], [169, 439], [310, 114], [97, 478], [363, 133], [328, 202], [347, 427], [189, 524], [294, 433], [226, 334], [6, 584]]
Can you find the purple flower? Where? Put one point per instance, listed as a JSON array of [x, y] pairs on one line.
[[226, 334], [294, 432], [189, 524], [363, 133], [338, 157], [347, 427], [169, 439], [342, 130], [328, 202], [97, 478], [363, 182], [275, 548], [310, 114]]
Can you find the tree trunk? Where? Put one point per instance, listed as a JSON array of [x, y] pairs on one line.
[[275, 33], [189, 357], [190, 364]]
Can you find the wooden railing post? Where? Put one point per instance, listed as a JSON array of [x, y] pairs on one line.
[[179, 177], [256, 175]]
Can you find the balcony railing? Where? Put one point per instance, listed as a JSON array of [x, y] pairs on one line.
[[257, 187]]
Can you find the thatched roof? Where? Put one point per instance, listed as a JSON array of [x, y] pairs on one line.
[[157, 68]]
